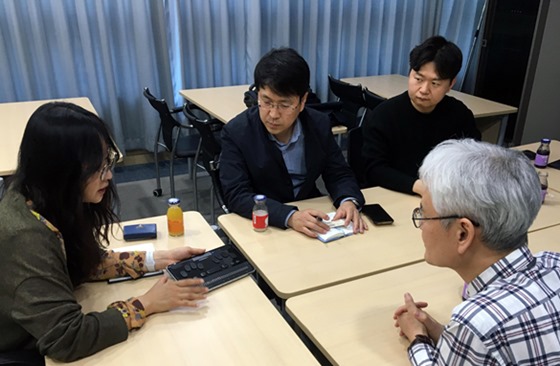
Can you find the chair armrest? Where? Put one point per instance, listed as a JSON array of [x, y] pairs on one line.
[[181, 124], [177, 109], [185, 126]]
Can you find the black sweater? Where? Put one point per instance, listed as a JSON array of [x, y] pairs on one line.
[[397, 138]]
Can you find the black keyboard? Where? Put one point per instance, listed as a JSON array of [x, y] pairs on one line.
[[217, 267]]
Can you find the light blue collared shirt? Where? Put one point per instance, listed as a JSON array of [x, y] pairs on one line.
[[293, 153]]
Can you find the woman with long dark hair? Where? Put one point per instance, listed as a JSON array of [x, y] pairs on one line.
[[55, 221]]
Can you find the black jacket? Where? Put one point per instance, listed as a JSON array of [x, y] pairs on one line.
[[251, 164]]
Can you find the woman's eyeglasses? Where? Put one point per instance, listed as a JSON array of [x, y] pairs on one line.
[[112, 159]]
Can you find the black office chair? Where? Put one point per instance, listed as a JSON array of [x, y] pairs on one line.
[[372, 100], [180, 145], [354, 155], [209, 154], [352, 110]]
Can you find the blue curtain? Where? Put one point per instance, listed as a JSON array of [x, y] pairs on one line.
[[108, 50]]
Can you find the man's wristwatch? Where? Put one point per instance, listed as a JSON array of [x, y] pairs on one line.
[[421, 338], [357, 204]]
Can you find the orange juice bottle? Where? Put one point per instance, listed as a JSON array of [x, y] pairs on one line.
[[175, 224]]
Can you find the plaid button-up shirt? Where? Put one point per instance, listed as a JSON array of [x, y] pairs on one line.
[[512, 317]]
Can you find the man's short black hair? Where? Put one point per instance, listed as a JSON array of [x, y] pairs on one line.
[[284, 72], [446, 56]]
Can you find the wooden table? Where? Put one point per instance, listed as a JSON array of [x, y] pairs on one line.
[[549, 214], [388, 86], [236, 326], [352, 323], [226, 102], [292, 263], [14, 119], [553, 174]]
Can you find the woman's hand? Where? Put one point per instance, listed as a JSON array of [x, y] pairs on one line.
[[163, 258], [168, 294]]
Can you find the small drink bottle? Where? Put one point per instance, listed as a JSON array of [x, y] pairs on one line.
[[543, 177], [543, 153], [175, 225], [260, 213]]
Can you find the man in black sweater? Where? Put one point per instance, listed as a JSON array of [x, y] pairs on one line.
[[401, 131]]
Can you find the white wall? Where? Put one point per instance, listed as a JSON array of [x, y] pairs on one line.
[[540, 102]]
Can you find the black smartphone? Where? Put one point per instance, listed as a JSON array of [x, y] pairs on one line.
[[377, 214], [529, 154], [555, 164]]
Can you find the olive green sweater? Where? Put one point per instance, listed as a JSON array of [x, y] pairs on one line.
[[37, 303]]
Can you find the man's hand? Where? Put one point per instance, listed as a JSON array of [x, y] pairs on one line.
[[406, 319], [163, 258], [309, 222], [348, 211], [412, 320]]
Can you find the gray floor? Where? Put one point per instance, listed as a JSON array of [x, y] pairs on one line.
[[137, 199]]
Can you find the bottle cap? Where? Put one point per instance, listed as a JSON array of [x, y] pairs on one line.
[[260, 197], [173, 201], [546, 141]]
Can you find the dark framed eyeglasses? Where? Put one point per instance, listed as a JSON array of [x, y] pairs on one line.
[[113, 157], [281, 107], [418, 217]]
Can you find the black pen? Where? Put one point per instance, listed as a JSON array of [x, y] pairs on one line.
[[128, 278]]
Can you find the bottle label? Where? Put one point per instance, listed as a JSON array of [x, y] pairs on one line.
[[541, 160], [260, 220]]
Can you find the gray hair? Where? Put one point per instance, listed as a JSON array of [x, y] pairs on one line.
[[497, 187]]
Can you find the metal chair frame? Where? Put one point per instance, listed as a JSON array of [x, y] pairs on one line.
[[209, 152], [168, 137], [352, 99]]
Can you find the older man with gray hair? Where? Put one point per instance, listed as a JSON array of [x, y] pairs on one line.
[[478, 202]]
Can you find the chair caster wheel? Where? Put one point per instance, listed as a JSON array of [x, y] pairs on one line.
[[157, 192]]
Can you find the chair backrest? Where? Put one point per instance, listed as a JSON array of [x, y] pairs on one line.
[[210, 147], [352, 99], [347, 93], [372, 99], [167, 122], [354, 155], [250, 97]]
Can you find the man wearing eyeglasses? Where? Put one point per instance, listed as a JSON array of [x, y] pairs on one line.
[[478, 202], [280, 148]]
